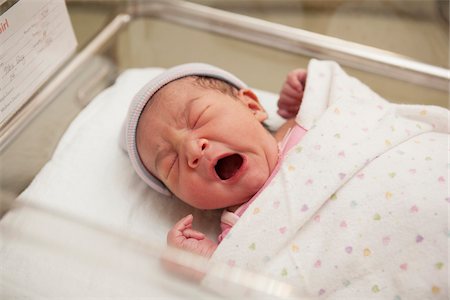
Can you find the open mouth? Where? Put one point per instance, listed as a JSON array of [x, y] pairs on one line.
[[228, 166]]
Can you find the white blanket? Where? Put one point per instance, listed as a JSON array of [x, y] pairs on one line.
[[359, 208]]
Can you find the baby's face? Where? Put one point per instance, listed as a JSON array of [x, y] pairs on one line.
[[208, 148]]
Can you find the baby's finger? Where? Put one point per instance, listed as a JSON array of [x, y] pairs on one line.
[[285, 113], [294, 79], [290, 109], [301, 75], [290, 91], [191, 233], [290, 100], [176, 235], [184, 223]]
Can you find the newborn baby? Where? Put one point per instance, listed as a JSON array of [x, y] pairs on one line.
[[197, 131]]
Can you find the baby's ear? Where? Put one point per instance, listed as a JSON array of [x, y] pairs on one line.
[[250, 100]]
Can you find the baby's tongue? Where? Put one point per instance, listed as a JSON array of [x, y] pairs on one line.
[[228, 166]]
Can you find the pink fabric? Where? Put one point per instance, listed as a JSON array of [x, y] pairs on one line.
[[228, 218]]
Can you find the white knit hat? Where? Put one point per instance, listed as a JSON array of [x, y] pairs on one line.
[[128, 136]]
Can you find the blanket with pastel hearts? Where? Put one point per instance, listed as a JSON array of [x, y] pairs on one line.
[[359, 208]]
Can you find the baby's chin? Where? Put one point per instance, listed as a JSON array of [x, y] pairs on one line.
[[221, 200], [226, 195], [247, 192]]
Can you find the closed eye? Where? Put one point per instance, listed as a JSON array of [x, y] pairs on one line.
[[200, 117], [172, 163]]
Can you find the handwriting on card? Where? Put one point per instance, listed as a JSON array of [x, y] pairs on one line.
[[36, 37]]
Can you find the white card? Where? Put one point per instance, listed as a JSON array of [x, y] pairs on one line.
[[36, 37]]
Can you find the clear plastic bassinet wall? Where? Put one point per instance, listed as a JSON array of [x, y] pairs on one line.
[[398, 48]]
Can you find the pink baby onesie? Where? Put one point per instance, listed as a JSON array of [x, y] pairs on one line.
[[228, 218]]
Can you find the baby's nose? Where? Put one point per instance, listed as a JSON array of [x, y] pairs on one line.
[[195, 149]]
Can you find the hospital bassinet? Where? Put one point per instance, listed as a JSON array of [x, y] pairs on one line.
[[85, 244]]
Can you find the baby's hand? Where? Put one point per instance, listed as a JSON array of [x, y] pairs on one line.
[[182, 236], [291, 94]]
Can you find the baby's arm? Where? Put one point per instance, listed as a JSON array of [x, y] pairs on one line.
[[182, 236], [291, 94]]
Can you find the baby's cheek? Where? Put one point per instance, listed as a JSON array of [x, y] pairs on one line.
[[194, 191]]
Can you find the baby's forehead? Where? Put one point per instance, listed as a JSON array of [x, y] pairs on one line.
[[172, 95], [176, 85], [172, 91]]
